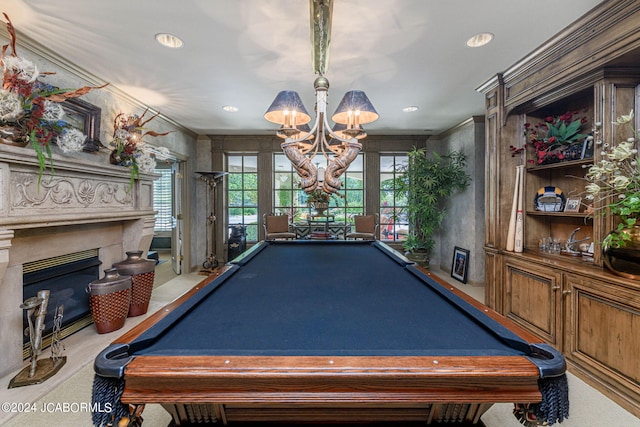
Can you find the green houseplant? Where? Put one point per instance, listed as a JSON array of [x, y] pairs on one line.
[[614, 184], [427, 181]]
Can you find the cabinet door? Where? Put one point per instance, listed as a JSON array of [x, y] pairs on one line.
[[603, 337], [532, 299]]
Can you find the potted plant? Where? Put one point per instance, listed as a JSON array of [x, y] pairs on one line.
[[319, 200], [427, 181], [615, 179], [557, 138]]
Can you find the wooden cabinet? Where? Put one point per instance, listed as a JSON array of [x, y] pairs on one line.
[[589, 314], [601, 339], [591, 317], [532, 299]]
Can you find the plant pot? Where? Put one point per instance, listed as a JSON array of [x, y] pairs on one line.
[[114, 158], [419, 257], [625, 261], [320, 208]]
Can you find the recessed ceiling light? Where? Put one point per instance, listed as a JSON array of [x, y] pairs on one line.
[[169, 40], [230, 108], [410, 109], [479, 39]]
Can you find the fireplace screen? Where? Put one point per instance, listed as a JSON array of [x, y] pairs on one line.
[[66, 277]]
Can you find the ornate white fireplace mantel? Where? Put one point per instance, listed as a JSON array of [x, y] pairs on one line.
[[86, 204]]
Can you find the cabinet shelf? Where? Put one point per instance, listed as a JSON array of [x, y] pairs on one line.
[[560, 165], [561, 259], [561, 214]]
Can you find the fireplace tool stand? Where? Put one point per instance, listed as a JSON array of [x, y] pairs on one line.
[[40, 370], [211, 179]]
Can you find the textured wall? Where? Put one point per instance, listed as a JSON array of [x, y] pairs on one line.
[[464, 224]]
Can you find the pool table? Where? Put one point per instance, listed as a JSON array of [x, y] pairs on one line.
[[328, 331]]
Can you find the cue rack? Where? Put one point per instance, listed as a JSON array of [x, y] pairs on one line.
[[211, 179]]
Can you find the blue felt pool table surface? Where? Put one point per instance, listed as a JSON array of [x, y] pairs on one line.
[[322, 323]]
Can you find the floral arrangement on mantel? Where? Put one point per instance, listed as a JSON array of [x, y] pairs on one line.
[[129, 149], [556, 139], [616, 179], [30, 110]]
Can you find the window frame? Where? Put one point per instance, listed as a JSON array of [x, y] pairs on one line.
[[252, 227], [391, 214]]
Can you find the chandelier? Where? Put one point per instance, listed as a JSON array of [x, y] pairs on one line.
[[339, 145]]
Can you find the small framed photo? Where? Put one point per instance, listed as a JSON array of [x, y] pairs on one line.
[[572, 204], [460, 264]]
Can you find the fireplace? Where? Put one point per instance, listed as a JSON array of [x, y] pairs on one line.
[[86, 205], [66, 277]]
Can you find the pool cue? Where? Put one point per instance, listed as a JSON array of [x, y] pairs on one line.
[[511, 234], [519, 241]]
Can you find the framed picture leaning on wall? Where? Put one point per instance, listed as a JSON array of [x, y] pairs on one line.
[[460, 264]]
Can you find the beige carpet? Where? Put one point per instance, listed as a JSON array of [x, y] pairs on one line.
[[72, 385]]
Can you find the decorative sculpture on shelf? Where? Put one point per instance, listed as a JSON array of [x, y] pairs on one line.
[[40, 370]]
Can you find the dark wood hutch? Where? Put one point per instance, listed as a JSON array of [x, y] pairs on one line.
[[575, 304]]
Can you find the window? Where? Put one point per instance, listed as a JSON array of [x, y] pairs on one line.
[[162, 201], [394, 225], [242, 193], [353, 190], [290, 199]]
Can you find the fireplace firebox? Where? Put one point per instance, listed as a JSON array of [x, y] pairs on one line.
[[66, 277]]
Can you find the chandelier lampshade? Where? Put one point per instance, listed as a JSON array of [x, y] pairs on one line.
[[288, 110], [355, 109]]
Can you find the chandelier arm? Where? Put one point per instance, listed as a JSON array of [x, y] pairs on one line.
[[303, 138], [338, 165], [302, 164], [338, 137], [337, 150], [303, 147]]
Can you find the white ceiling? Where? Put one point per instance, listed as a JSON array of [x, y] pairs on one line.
[[243, 52]]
